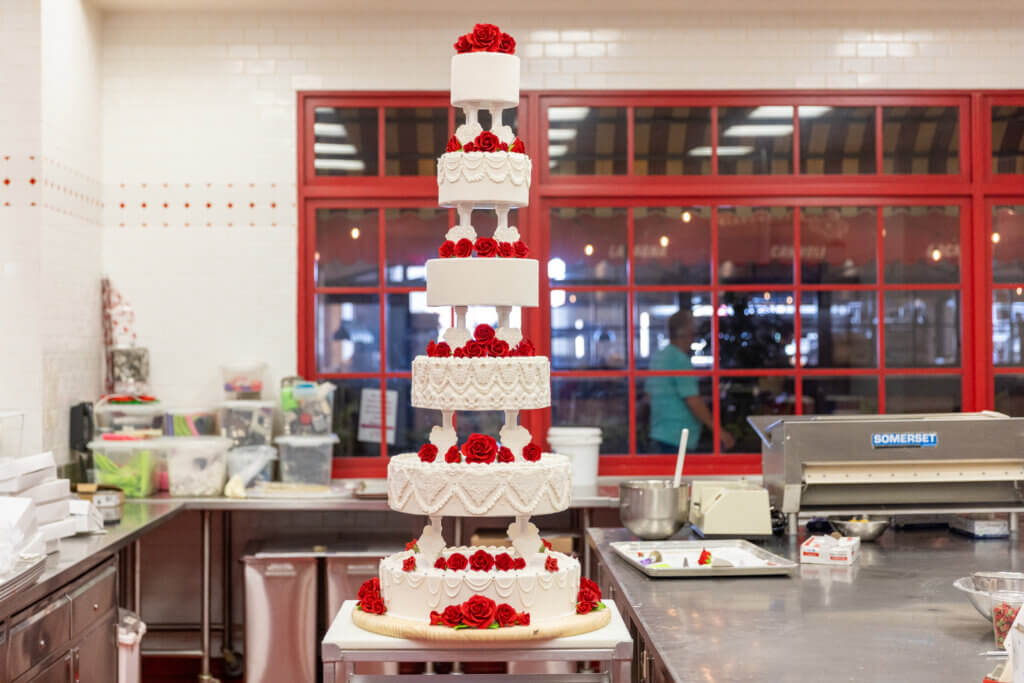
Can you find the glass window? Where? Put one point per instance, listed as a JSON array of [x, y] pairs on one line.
[[345, 141], [587, 140], [411, 326], [838, 329], [917, 394], [1008, 139], [672, 141], [922, 328], [742, 397], [838, 244], [1008, 244], [755, 330], [414, 138], [755, 245], [840, 395], [837, 140], [922, 243], [672, 245], [652, 312], [588, 246], [347, 333], [588, 330], [919, 140], [509, 117], [583, 402], [412, 425], [1008, 326], [346, 248], [348, 396], [1009, 399], [664, 406], [755, 140], [412, 237]]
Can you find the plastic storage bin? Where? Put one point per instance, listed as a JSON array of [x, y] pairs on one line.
[[1005, 605], [242, 458], [307, 459], [243, 380], [307, 407], [132, 465], [146, 419], [247, 423], [197, 465], [189, 422]]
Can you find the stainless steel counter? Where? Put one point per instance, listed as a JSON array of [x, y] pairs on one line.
[[893, 616]]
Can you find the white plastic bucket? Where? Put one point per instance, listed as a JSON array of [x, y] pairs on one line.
[[130, 630], [582, 445]]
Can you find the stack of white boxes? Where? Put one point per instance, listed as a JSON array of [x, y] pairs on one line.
[[35, 478]]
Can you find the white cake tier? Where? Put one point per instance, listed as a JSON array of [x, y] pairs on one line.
[[482, 281], [517, 383], [483, 179], [492, 490], [484, 80], [545, 595]]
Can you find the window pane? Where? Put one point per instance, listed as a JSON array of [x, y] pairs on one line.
[[838, 244], [1010, 395], [593, 403], [587, 140], [347, 400], [755, 245], [755, 140], [345, 141], [588, 246], [922, 243], [921, 140], [916, 394], [347, 333], [588, 330], [479, 422], [745, 396], [662, 411], [922, 329], [412, 237], [837, 140], [652, 312], [509, 117], [1007, 326], [755, 330], [411, 326], [838, 329], [415, 137], [1008, 139], [1008, 244], [412, 425], [672, 245], [346, 248], [840, 395], [672, 140]]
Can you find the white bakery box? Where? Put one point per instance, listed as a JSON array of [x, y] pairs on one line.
[[830, 550]]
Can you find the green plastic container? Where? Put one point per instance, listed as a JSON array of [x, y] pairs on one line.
[[132, 466]]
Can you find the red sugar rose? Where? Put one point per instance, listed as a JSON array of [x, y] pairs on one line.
[[463, 247], [523, 618], [486, 247], [478, 612], [369, 587], [459, 353], [481, 561], [372, 604], [503, 561], [483, 333], [453, 455], [525, 348], [487, 142], [521, 250], [485, 37], [517, 146], [531, 452], [503, 147], [447, 249], [457, 561], [411, 545], [506, 250], [480, 448], [439, 563], [442, 350], [463, 45], [507, 44], [586, 601], [469, 147], [409, 564], [551, 564], [546, 543], [498, 348], [435, 618], [585, 607], [452, 615], [453, 145], [428, 453], [590, 585], [431, 348], [505, 615], [519, 563], [475, 349], [505, 455]]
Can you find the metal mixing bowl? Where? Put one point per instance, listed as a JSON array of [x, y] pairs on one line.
[[991, 582], [653, 509], [865, 531], [979, 598]]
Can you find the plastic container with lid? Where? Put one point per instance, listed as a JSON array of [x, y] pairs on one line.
[[197, 465], [247, 423], [191, 422], [242, 458], [1005, 605], [142, 418], [306, 459], [132, 465], [243, 380], [307, 407]]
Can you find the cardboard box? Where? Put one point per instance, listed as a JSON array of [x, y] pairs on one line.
[[830, 550]]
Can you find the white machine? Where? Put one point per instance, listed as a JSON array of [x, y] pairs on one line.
[[729, 508]]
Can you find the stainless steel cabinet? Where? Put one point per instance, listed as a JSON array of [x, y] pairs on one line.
[[61, 671], [96, 654]]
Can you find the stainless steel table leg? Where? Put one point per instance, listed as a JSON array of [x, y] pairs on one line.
[[137, 577], [225, 523], [1014, 523], [204, 619], [792, 524]]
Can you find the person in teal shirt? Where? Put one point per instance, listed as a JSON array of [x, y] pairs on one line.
[[675, 399]]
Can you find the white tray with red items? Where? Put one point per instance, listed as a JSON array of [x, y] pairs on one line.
[[695, 559], [830, 550]]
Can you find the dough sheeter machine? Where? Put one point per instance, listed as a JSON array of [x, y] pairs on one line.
[[939, 463]]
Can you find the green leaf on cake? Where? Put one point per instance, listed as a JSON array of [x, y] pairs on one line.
[[460, 626], [600, 606], [494, 624]]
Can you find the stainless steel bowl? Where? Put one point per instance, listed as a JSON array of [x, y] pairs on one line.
[[979, 598], [865, 531], [653, 508], [998, 581]]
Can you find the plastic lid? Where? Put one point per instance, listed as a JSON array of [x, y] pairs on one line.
[[130, 408], [197, 442], [254, 404], [307, 439], [125, 444], [189, 411]]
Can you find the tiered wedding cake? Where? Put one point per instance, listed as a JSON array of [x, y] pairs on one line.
[[526, 590]]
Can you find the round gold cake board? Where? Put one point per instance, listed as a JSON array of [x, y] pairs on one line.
[[398, 627]]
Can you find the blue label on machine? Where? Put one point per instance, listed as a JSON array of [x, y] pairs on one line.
[[905, 440]]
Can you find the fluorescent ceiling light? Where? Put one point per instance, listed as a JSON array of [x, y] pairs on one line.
[[568, 113], [329, 130], [723, 151], [333, 148], [561, 134], [557, 150], [759, 130], [786, 112], [340, 164], [812, 111]]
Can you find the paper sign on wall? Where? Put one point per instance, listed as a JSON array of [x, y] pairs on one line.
[[369, 415]]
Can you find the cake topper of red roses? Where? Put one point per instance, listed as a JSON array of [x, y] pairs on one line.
[[486, 141], [486, 38]]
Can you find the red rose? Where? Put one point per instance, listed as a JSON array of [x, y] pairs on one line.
[[507, 44], [485, 38], [372, 604], [480, 448], [463, 45], [517, 146], [439, 563], [523, 618], [453, 145], [428, 452], [457, 561], [411, 545], [475, 349], [483, 333], [505, 455], [469, 147], [503, 147], [481, 561], [453, 455], [442, 350], [551, 564], [506, 250], [452, 615], [435, 618], [546, 543], [463, 248], [409, 564], [478, 612], [503, 561], [446, 250], [369, 587], [585, 607], [505, 615], [525, 348], [587, 596], [459, 352], [486, 247], [431, 348], [590, 585], [498, 348], [531, 452], [519, 563], [487, 142], [522, 251]]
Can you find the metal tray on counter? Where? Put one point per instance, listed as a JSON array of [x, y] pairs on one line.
[[24, 574], [743, 558]]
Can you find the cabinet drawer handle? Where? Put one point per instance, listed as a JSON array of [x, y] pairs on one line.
[[42, 643], [95, 606]]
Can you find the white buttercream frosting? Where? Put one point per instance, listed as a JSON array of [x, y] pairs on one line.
[[483, 178], [519, 383]]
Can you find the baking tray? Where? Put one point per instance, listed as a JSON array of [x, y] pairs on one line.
[[746, 558], [24, 574]]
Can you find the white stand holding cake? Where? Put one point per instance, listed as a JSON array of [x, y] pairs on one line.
[[528, 591]]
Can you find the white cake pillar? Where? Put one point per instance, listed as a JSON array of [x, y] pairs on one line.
[[505, 331], [458, 335], [514, 436], [444, 436]]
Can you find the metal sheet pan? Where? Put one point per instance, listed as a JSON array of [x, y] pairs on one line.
[[24, 573], [756, 561]]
